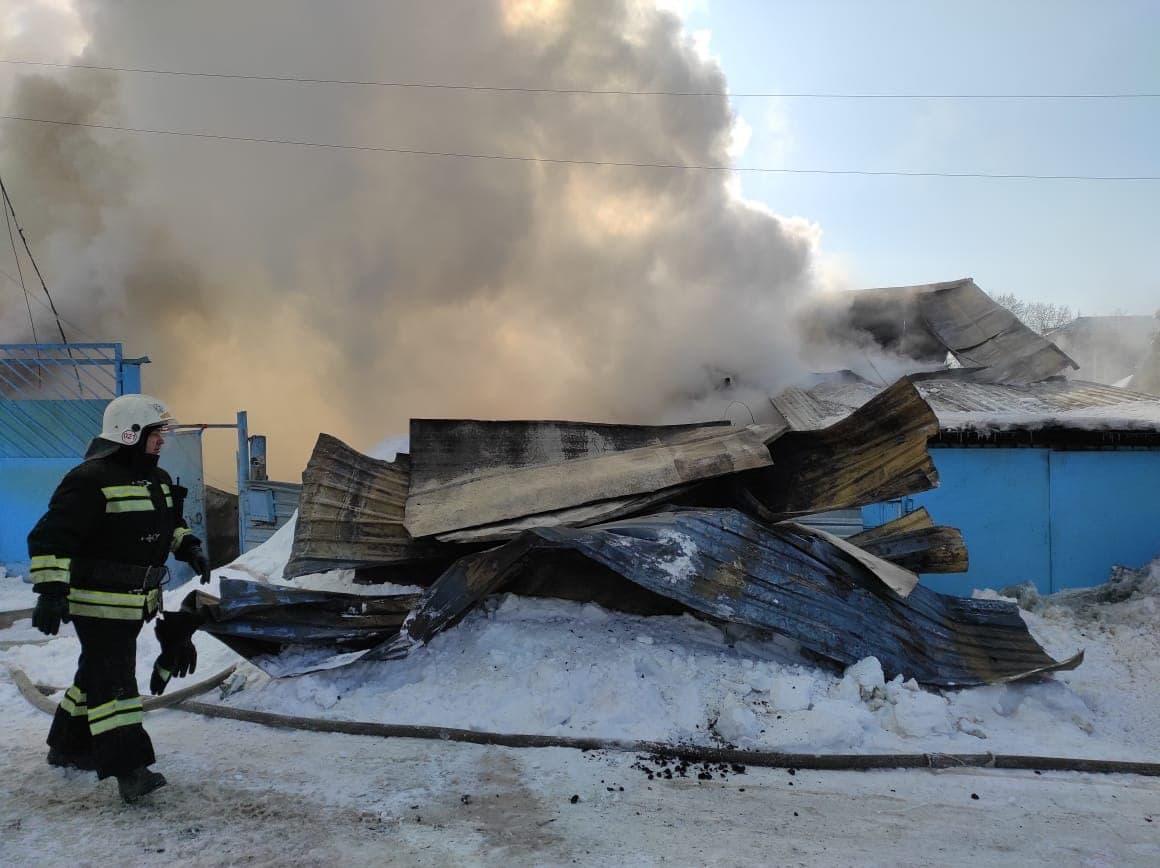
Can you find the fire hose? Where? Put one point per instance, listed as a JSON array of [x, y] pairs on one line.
[[181, 701]]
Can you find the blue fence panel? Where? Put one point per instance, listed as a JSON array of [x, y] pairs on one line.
[[1105, 511], [48, 429], [52, 398]]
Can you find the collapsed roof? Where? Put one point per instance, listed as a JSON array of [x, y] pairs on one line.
[[651, 520], [837, 601], [925, 322]]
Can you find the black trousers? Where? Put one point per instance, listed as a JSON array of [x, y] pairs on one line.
[[101, 712]]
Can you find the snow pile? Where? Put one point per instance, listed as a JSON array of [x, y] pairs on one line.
[[15, 593], [565, 668], [1129, 416], [559, 667]]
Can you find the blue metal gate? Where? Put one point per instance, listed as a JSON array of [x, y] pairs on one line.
[[52, 398]]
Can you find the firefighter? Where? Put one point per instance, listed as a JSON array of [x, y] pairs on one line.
[[98, 557]]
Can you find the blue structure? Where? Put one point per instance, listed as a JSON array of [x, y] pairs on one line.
[[1056, 508], [52, 397], [263, 505]]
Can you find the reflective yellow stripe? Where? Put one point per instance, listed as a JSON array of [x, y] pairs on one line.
[[114, 714], [103, 710], [42, 576], [169, 501], [49, 568], [129, 718], [164, 673], [129, 506], [178, 535], [105, 598], [107, 604], [112, 612], [153, 602], [112, 491], [73, 702]]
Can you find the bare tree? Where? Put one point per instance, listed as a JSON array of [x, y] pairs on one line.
[[1039, 316]]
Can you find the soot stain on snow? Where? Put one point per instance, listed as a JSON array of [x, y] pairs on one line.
[[662, 767]]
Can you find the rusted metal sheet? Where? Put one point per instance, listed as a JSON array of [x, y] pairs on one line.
[[919, 519], [350, 513], [924, 550], [784, 578], [476, 475], [876, 453]]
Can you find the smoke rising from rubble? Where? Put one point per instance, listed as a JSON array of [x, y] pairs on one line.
[[348, 291]]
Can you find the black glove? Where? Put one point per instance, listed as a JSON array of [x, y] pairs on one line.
[[200, 564], [51, 609], [193, 554], [159, 678], [178, 655]]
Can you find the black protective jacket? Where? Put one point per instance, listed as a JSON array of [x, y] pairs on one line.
[[109, 518]]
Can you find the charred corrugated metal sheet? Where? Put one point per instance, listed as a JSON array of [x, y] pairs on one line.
[[914, 542], [983, 333], [491, 476], [926, 321], [259, 621], [876, 453], [785, 578], [350, 513]]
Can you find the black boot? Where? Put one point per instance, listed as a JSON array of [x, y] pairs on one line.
[[138, 783], [83, 761]]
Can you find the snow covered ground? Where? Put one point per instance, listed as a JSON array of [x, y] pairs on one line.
[[244, 793]]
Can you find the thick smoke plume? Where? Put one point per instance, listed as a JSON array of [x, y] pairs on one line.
[[347, 291]]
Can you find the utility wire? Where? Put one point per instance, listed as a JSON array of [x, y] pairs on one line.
[[20, 271], [43, 285], [73, 327], [32, 259], [579, 91], [577, 162]]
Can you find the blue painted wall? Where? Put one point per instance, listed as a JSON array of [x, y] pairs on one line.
[[1105, 510], [1057, 519], [26, 484]]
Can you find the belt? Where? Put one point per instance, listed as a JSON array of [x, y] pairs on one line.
[[122, 577]]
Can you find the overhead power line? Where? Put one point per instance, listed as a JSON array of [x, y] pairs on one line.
[[583, 91], [73, 327], [20, 271], [628, 164], [27, 249]]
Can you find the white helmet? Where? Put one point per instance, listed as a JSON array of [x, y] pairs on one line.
[[127, 416]]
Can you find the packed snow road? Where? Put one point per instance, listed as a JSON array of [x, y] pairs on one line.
[[242, 794]]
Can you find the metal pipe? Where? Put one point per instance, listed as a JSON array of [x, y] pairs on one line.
[[243, 456]]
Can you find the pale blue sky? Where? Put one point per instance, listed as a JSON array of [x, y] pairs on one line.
[[1092, 245]]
